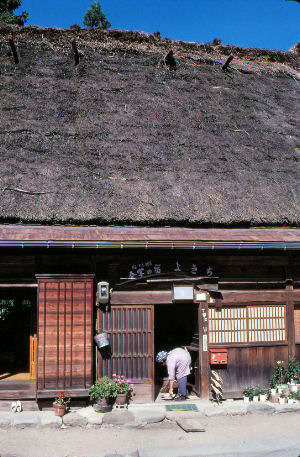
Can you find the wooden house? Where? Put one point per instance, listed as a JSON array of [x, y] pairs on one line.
[[159, 183]]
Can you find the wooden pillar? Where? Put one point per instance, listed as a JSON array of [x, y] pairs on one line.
[[203, 350], [290, 322]]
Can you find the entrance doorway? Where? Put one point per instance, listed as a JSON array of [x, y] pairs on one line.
[[176, 325], [18, 324]]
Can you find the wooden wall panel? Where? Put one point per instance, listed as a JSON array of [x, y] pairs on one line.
[[65, 331], [251, 365]]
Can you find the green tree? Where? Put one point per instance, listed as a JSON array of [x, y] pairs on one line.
[[7, 8], [94, 17]]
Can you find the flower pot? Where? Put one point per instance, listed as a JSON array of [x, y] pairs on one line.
[[121, 399], [102, 405], [246, 399], [281, 401], [255, 398], [293, 387], [59, 410], [273, 391], [262, 397], [290, 401]]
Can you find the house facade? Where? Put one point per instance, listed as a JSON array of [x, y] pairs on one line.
[[179, 190]]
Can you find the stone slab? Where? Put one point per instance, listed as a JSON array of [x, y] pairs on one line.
[[26, 419], [149, 416], [174, 415], [95, 418], [287, 408], [260, 408], [118, 417], [48, 419], [190, 425], [237, 410], [5, 419], [74, 420], [215, 411]]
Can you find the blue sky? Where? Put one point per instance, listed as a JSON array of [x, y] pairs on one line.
[[272, 24]]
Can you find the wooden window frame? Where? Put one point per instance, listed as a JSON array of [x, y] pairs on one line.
[[252, 343]]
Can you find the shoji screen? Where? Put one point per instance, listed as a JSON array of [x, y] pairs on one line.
[[247, 324]]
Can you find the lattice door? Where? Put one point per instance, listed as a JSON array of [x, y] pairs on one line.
[[130, 330]]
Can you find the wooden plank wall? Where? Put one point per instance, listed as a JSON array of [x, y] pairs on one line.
[[65, 326], [249, 365]]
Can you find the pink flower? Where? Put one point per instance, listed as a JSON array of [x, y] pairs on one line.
[[123, 377], [128, 380], [131, 385], [114, 375]]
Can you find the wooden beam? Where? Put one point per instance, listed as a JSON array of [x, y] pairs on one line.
[[290, 322], [18, 285], [13, 48], [75, 50], [246, 296], [60, 233], [226, 64], [203, 350], [141, 297]]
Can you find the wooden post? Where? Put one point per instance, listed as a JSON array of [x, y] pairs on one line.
[[290, 322], [203, 350], [226, 64], [75, 50], [13, 48]]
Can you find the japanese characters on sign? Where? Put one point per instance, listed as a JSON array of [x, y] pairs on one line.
[[138, 270]]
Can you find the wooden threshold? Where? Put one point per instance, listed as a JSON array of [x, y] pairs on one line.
[[17, 389]]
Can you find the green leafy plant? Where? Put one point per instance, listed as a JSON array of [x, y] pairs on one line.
[[63, 399], [103, 388], [282, 394], [279, 375], [95, 18], [249, 392], [293, 370], [259, 390]]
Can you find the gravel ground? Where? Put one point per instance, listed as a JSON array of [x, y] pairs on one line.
[[233, 431]]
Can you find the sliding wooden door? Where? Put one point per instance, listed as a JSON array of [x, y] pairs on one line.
[[131, 335], [65, 331]]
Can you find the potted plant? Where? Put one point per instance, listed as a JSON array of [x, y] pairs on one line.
[[282, 397], [280, 376], [248, 394], [61, 404], [292, 398], [122, 389], [102, 394], [272, 389], [260, 391]]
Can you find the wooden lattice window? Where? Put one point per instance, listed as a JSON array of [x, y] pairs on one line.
[[247, 324], [130, 331]]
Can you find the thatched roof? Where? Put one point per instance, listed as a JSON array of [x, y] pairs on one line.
[[119, 139]]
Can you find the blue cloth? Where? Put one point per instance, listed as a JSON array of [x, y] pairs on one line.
[[182, 386]]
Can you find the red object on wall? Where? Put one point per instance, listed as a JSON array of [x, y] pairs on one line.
[[218, 356]]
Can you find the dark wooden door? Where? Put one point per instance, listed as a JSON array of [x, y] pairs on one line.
[[65, 331], [130, 330]]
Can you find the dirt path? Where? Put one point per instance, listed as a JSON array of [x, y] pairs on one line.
[[94, 442]]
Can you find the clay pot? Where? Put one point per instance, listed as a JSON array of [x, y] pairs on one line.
[[59, 410], [121, 399], [103, 405]]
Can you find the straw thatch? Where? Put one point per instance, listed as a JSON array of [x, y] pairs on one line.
[[121, 139]]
